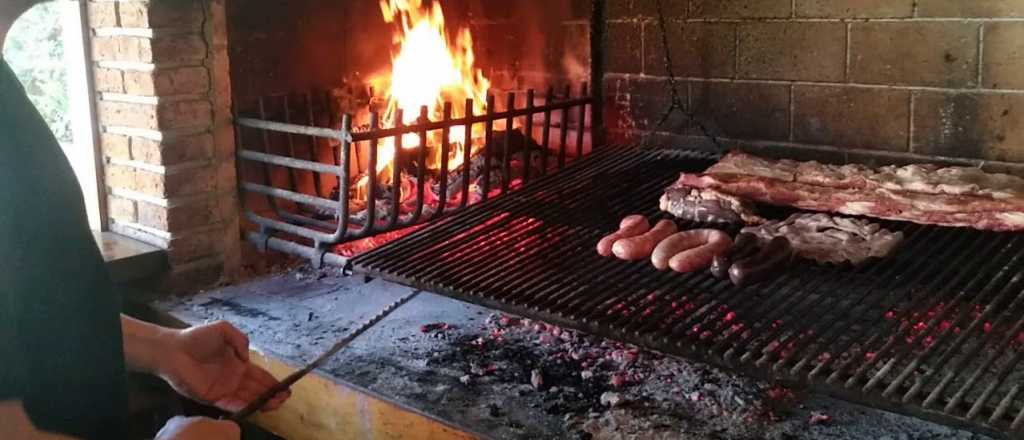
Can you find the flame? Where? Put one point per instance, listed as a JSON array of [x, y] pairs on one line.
[[428, 69]]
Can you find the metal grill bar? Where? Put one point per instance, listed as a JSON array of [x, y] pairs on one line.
[[937, 325]]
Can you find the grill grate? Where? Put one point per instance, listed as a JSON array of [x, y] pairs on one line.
[[933, 331]]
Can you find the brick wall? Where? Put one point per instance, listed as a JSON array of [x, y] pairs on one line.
[[931, 77], [163, 103]]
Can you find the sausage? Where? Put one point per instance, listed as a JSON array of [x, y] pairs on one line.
[[769, 262], [630, 226], [641, 246], [744, 246], [690, 251]]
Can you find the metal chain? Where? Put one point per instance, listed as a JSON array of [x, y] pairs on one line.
[[677, 100]]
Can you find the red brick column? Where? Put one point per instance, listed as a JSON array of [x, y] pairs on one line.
[[161, 73]]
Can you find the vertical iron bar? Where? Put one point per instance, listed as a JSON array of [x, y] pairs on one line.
[[326, 96], [371, 176], [267, 175], [312, 145], [528, 138], [488, 137], [292, 180], [467, 154], [343, 176], [421, 166], [446, 116], [565, 130], [506, 156], [598, 43], [581, 124], [546, 133], [396, 173]]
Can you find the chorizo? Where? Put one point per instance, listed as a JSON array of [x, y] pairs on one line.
[[694, 249], [641, 246], [630, 226]]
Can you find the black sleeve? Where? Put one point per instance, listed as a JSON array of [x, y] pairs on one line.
[[59, 306]]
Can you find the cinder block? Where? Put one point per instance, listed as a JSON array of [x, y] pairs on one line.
[[792, 51], [743, 110], [978, 125], [741, 8], [643, 9], [937, 54], [970, 8], [1003, 61], [854, 8], [859, 117], [625, 47], [706, 50]]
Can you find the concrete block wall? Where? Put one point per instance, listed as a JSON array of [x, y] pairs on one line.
[[163, 103], [929, 77]]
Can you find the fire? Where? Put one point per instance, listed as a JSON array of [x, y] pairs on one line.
[[429, 68]]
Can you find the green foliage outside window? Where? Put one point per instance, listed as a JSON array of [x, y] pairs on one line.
[[35, 51]]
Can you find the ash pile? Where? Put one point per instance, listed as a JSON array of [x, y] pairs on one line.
[[604, 389]]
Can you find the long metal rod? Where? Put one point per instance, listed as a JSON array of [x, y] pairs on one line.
[[291, 247], [289, 162], [287, 382], [293, 128], [598, 45], [289, 195]]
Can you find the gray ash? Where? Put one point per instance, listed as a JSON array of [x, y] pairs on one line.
[[603, 389], [572, 372]]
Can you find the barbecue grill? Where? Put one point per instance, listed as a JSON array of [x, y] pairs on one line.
[[933, 331]]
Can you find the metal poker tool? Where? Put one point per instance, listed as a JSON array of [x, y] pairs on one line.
[[287, 382]]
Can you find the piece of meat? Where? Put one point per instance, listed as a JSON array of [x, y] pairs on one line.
[[831, 239], [630, 226], [707, 206], [927, 194], [640, 247]]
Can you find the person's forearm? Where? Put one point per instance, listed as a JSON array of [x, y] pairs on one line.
[[145, 344], [17, 425]]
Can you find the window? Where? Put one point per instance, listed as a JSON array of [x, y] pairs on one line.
[[46, 50]]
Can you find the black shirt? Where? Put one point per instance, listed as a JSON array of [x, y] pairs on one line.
[[60, 332]]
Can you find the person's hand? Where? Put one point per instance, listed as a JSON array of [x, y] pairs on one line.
[[199, 428], [210, 364]]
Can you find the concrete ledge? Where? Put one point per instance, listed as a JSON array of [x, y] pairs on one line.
[[130, 260]]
